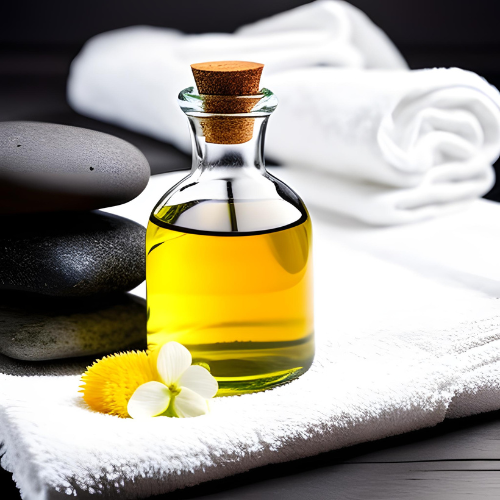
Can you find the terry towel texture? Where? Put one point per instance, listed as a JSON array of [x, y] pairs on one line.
[[399, 347]]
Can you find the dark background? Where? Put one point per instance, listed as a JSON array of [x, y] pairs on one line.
[[39, 39]]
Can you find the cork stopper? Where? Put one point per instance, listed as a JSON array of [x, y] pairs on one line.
[[227, 77], [224, 86]]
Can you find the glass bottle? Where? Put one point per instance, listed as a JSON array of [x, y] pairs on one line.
[[229, 257]]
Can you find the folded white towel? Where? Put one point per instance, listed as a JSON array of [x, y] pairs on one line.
[[132, 76], [399, 349]]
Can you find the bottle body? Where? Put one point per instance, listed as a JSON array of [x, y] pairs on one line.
[[241, 304], [229, 268]]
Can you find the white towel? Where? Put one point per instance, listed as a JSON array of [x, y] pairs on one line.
[[132, 76], [388, 127], [398, 348], [352, 136]]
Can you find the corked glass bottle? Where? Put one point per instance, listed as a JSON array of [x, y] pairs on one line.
[[229, 257]]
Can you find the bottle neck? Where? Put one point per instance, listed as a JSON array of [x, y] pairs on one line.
[[216, 160]]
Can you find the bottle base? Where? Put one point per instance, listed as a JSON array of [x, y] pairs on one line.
[[232, 386], [245, 367]]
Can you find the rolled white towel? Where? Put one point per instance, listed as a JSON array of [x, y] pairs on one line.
[[132, 76], [434, 133], [388, 127]]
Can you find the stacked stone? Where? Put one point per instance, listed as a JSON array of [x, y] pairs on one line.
[[65, 266]]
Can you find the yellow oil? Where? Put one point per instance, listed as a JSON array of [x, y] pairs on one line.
[[242, 304]]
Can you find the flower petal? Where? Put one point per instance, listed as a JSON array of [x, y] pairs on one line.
[[173, 360], [190, 404], [149, 400], [199, 380]]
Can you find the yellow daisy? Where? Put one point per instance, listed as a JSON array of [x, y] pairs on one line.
[[110, 382]]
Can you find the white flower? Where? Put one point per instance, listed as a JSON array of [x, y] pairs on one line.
[[184, 387]]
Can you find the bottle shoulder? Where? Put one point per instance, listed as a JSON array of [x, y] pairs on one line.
[[237, 203]]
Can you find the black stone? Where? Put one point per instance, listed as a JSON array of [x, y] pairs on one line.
[[48, 167], [71, 253], [37, 328]]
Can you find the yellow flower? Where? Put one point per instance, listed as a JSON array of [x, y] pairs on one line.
[[137, 385], [110, 382]]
